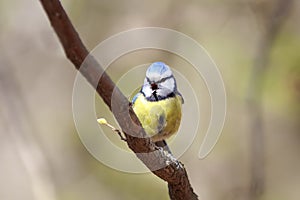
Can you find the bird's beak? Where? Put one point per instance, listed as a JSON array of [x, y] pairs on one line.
[[154, 86]]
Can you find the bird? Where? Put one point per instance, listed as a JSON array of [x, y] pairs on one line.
[[158, 104]]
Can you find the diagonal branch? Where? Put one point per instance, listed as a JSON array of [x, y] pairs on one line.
[[174, 173]]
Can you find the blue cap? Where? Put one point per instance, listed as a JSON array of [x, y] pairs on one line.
[[158, 67]]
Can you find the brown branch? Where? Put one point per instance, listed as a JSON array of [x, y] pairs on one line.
[[174, 173]]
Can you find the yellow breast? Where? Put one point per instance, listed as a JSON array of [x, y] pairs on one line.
[[160, 119]]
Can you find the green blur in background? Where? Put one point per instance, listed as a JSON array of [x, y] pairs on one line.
[[255, 44]]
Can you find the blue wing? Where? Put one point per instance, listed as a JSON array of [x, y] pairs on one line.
[[135, 97]]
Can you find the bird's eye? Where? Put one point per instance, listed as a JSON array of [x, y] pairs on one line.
[[154, 86]]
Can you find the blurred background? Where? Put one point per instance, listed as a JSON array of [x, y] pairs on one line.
[[255, 44]]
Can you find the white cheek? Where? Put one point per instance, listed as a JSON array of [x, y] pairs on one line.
[[169, 84], [147, 90], [166, 87]]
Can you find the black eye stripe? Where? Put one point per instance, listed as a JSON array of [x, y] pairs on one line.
[[160, 81], [164, 79], [148, 80]]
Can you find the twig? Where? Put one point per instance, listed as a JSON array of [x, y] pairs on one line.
[[104, 122], [178, 183]]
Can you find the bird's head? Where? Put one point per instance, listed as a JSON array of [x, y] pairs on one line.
[[159, 82]]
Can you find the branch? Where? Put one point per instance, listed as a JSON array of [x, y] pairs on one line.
[[174, 173]]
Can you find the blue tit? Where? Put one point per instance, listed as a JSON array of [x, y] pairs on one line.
[[158, 104]]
